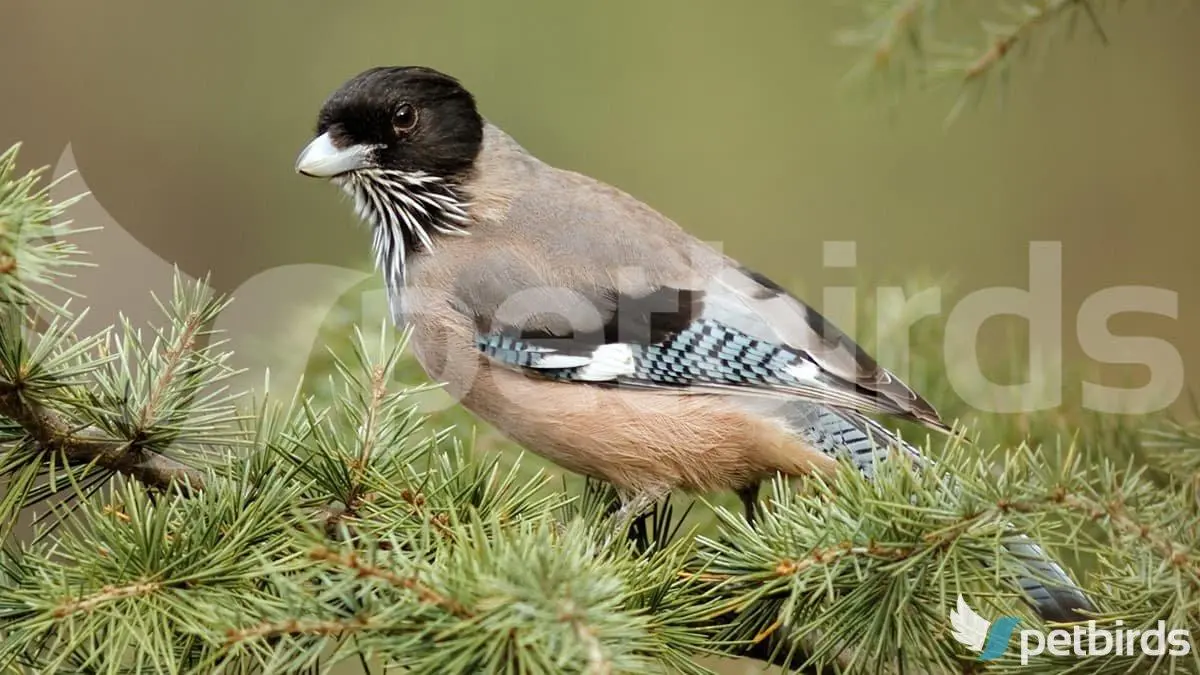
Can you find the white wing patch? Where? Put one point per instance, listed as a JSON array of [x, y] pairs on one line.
[[805, 371], [556, 361], [608, 362], [967, 626]]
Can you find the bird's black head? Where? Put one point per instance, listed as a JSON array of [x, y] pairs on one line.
[[408, 119], [402, 142]]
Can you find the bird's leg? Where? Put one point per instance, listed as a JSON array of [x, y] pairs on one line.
[[749, 496], [633, 504]]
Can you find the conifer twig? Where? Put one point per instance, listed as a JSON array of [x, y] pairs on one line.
[[364, 569], [272, 629], [106, 594], [1003, 43], [89, 446]]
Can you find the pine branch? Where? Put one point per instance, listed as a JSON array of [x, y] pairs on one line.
[[36, 252], [905, 40], [89, 447], [353, 562], [1035, 15], [81, 408]]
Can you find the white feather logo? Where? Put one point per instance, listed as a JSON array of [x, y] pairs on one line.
[[967, 626]]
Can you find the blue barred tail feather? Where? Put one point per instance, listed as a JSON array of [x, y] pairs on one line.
[[1048, 588]]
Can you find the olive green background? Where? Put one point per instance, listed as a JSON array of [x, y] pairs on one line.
[[731, 118]]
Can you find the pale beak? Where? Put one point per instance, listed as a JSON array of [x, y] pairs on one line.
[[321, 159]]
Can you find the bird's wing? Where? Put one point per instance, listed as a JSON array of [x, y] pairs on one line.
[[761, 307], [737, 332]]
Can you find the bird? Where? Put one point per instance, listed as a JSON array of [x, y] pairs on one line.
[[595, 331]]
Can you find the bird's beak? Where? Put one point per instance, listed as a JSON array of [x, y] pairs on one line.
[[322, 159]]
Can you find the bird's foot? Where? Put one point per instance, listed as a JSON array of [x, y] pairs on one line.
[[749, 497], [633, 505]]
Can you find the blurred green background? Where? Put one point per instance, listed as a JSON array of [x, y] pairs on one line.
[[186, 120], [730, 118]]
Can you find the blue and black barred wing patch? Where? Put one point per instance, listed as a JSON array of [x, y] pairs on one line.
[[705, 357], [704, 353], [662, 338], [684, 340]]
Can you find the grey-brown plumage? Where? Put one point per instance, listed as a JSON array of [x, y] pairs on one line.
[[588, 327]]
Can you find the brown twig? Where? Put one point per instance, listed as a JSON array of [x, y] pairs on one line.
[[296, 627], [373, 412], [598, 664], [107, 594], [172, 359], [1122, 521], [362, 568], [832, 554], [1003, 44], [902, 17], [90, 446], [1117, 514]]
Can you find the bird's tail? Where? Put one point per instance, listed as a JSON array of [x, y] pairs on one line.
[[867, 443]]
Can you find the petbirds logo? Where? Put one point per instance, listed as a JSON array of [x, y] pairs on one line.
[[991, 639], [979, 634]]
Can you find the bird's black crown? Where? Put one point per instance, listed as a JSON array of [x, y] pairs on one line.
[[420, 120]]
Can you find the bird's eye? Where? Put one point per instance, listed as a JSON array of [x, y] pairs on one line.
[[405, 118]]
